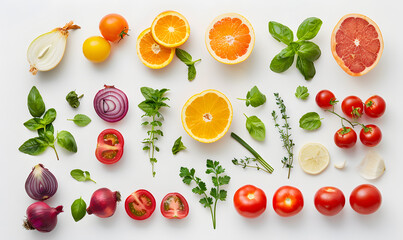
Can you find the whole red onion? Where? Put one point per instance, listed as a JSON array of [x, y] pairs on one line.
[[42, 217], [103, 203], [41, 184]]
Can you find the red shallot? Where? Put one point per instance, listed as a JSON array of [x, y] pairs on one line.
[[103, 203], [42, 217]]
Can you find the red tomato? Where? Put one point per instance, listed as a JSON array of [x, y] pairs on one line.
[[352, 107], [109, 146], [140, 204], [288, 201], [250, 201], [345, 137], [325, 99], [329, 201], [365, 199], [113, 27], [375, 106], [174, 205], [371, 135]]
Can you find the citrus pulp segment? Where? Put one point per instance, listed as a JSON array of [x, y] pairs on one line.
[[230, 38], [170, 29], [357, 44], [207, 116], [152, 54], [313, 158]]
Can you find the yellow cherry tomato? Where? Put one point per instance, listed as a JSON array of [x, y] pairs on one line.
[[96, 49]]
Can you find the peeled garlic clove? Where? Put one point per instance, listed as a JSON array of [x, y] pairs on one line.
[[340, 165], [46, 51], [372, 166]]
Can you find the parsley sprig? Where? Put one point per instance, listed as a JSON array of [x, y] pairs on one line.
[[208, 200], [154, 100], [285, 134]]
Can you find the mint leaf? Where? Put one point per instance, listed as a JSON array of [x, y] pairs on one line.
[[186, 58], [302, 92]]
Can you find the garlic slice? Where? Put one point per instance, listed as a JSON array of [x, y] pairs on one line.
[[46, 51], [372, 166], [340, 165]]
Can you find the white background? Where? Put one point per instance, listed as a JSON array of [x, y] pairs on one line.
[[21, 22]]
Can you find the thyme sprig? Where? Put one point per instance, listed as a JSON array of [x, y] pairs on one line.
[[247, 163], [285, 134]]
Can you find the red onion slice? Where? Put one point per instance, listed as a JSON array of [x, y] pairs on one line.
[[111, 104], [41, 184]]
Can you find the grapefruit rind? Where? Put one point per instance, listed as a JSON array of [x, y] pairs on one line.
[[333, 44], [251, 45]]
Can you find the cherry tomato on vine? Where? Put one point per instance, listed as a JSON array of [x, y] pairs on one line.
[[174, 205], [345, 137], [250, 201], [375, 106], [288, 201], [96, 49], [352, 107], [140, 204], [325, 99], [110, 145], [365, 199], [371, 135], [329, 201], [113, 27]]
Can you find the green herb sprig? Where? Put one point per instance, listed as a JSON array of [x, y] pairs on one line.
[[154, 101], [307, 52], [254, 98], [285, 134], [81, 175], [216, 193], [246, 163], [302, 92], [186, 58]]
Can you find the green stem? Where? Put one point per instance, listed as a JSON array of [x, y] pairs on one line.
[[57, 155], [153, 147], [211, 210], [250, 166], [254, 153], [353, 124]]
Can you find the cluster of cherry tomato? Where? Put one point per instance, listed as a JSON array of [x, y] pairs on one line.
[[354, 108], [113, 28], [140, 205], [251, 201]]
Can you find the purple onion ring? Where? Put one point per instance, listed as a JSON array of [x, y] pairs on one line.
[[111, 104]]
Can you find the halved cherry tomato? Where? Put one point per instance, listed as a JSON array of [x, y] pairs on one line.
[[329, 201], [371, 135], [345, 137], [250, 201], [288, 201], [110, 145], [174, 205], [375, 106], [113, 27], [140, 204], [352, 107]]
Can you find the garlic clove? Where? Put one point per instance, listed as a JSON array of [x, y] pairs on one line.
[[340, 165], [372, 166]]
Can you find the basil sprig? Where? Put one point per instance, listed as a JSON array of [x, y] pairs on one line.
[[186, 58], [254, 98], [307, 52]]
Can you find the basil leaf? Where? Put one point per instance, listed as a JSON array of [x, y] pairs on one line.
[[81, 175], [148, 93], [34, 146], [283, 60], [302, 92], [306, 68], [78, 209], [310, 121], [73, 99], [178, 146], [81, 120], [36, 106], [49, 116], [254, 97], [256, 128], [34, 124], [49, 137], [184, 56], [191, 72], [309, 51], [309, 28], [67, 141], [280, 32]]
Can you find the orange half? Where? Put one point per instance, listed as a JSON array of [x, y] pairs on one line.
[[230, 38], [152, 54], [170, 29], [207, 116]]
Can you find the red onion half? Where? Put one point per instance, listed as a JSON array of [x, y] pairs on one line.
[[41, 184], [103, 203], [111, 104], [42, 217]]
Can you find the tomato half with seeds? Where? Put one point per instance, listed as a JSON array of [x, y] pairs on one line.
[[140, 205], [288, 201], [174, 205], [110, 145]]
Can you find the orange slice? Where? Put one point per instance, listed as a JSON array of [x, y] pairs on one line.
[[230, 38], [170, 29], [207, 116], [357, 44], [151, 53]]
